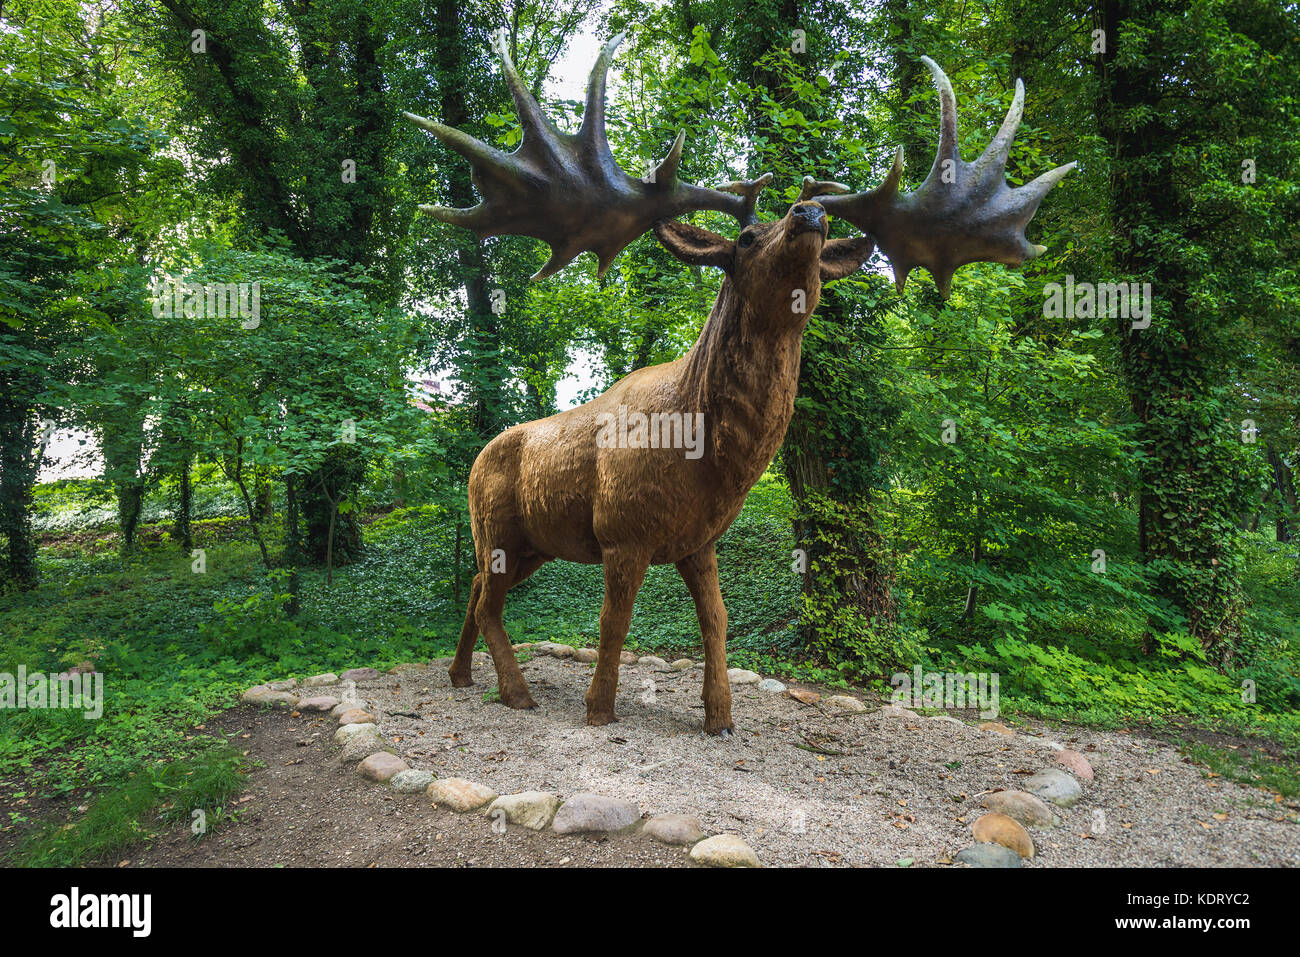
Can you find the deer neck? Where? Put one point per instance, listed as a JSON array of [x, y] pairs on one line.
[[742, 373]]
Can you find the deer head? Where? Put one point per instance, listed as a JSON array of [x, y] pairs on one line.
[[569, 191], [771, 263]]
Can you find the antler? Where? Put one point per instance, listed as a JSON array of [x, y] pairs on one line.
[[568, 190], [962, 213]]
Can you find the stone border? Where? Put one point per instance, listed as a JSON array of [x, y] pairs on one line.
[[1001, 835]]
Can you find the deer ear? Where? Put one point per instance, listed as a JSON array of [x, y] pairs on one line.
[[842, 257], [695, 246]]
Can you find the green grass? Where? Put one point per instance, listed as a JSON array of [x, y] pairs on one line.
[[1248, 768], [163, 793]]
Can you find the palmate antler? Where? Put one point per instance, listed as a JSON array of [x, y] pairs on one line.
[[568, 190], [962, 213]]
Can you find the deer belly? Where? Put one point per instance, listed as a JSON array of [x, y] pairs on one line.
[[555, 514]]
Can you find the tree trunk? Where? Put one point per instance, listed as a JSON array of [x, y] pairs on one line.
[[1184, 522], [185, 505], [18, 466], [1284, 485]]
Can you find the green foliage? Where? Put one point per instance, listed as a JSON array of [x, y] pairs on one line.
[[256, 625], [157, 792]]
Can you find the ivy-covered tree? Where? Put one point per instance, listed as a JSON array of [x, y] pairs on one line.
[[1196, 104]]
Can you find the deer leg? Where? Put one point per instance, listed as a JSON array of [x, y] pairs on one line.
[[700, 572], [623, 576], [460, 665], [511, 687]]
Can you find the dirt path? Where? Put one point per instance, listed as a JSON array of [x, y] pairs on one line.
[[802, 784], [302, 809], [807, 785]]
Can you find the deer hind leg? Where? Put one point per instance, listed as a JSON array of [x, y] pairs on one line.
[[624, 573], [511, 686], [460, 665], [700, 572]]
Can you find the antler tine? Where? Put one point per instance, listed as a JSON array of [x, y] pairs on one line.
[[748, 190], [593, 115], [474, 150], [962, 213], [815, 187], [538, 130], [948, 146]]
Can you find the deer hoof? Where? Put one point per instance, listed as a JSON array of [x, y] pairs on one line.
[[724, 732], [460, 681], [520, 702], [599, 719]]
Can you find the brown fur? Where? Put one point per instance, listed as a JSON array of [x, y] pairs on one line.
[[545, 490]]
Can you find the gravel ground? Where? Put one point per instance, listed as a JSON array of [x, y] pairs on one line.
[[809, 787]]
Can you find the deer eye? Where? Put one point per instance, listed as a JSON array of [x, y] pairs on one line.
[[746, 239]]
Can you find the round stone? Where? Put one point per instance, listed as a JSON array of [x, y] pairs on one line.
[[348, 731], [771, 685], [674, 829], [381, 766], [946, 719], [681, 664], [364, 740], [994, 828], [652, 661], [724, 850], [319, 704], [346, 705], [320, 681], [1076, 762], [263, 695], [585, 655], [530, 809], [844, 702], [739, 676], [356, 716], [586, 812], [1020, 806], [460, 795], [988, 855], [1054, 786], [411, 781]]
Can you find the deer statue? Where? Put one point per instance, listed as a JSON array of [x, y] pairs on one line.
[[574, 487]]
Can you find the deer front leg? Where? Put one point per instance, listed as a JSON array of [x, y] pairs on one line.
[[624, 573], [700, 572]]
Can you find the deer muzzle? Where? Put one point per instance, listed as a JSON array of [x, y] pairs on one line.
[[806, 218]]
